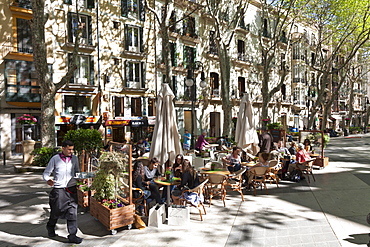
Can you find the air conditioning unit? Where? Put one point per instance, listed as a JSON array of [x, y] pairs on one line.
[[82, 81], [133, 49]]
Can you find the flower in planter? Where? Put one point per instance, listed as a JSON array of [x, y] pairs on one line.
[[347, 119], [265, 119], [83, 187], [113, 203], [26, 119]]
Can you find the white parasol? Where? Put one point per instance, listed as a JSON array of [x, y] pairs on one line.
[[245, 133], [166, 141]]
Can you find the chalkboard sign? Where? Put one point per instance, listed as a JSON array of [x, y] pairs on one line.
[[278, 135]]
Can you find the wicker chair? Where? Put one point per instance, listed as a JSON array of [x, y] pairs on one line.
[[235, 181], [216, 187], [259, 178], [199, 190]]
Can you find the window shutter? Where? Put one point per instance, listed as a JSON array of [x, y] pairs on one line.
[[124, 8], [92, 72], [141, 39], [141, 10], [89, 30], [90, 4], [143, 79], [69, 61], [174, 85], [127, 73], [69, 27], [126, 37]]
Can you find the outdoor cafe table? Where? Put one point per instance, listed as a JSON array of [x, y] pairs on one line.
[[248, 164], [205, 171], [168, 183]]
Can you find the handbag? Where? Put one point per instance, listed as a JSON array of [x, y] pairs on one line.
[[178, 215]]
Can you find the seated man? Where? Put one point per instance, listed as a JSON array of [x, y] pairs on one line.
[[263, 161]]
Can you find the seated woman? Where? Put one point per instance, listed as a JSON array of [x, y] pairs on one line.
[[177, 166], [307, 145], [233, 160], [263, 161], [302, 158], [189, 179], [149, 189], [152, 171]]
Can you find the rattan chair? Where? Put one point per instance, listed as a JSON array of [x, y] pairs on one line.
[[199, 190], [235, 181], [216, 187], [259, 178]]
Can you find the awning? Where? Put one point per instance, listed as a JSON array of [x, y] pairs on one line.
[[80, 119], [139, 123], [151, 120], [116, 122]]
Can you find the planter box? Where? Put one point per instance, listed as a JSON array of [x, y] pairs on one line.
[[322, 162], [112, 218]]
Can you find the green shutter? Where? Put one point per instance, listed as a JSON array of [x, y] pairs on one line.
[[143, 77], [89, 29], [69, 27], [141, 33], [92, 72], [69, 61], [126, 37], [127, 74], [124, 8], [90, 4], [141, 10]]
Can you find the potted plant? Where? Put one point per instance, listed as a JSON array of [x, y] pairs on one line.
[[110, 209], [84, 193], [274, 126], [27, 121]]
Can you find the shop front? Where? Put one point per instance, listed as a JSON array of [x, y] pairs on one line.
[[115, 130], [65, 123]]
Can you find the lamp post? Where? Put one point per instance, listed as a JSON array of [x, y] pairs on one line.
[[191, 83]]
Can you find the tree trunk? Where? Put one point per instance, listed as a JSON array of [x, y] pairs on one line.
[[225, 62]]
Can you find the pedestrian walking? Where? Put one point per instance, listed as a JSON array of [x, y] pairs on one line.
[[187, 138], [63, 197]]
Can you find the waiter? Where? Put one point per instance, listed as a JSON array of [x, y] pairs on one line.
[[63, 197]]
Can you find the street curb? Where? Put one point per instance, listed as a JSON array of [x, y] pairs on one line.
[[22, 169]]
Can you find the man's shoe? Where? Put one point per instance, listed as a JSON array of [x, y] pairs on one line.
[[51, 231], [75, 239]]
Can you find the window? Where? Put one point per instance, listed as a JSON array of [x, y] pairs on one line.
[[215, 85], [26, 4], [172, 27], [189, 27], [189, 57], [84, 74], [296, 51], [241, 86], [24, 36], [134, 39], [174, 86], [265, 31], [119, 106], [133, 8], [135, 74], [212, 43], [115, 24], [282, 61], [136, 107], [21, 82], [151, 107], [85, 26], [77, 105], [89, 4], [173, 54], [241, 50]]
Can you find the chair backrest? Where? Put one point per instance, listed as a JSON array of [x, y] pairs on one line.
[[273, 163], [260, 170], [216, 178], [217, 165], [199, 188], [221, 155], [240, 172]]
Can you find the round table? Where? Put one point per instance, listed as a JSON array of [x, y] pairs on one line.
[[168, 183], [248, 164], [217, 171]]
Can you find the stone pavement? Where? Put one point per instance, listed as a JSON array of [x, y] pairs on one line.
[[329, 212]]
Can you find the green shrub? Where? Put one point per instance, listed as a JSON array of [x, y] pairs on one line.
[[274, 126], [42, 156], [358, 129], [89, 140]]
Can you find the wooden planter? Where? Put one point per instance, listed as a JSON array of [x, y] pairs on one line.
[[112, 218]]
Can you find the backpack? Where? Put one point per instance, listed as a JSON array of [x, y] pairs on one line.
[[295, 176]]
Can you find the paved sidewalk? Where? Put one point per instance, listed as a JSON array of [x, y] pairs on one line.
[[329, 212]]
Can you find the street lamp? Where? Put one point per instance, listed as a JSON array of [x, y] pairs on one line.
[[191, 83]]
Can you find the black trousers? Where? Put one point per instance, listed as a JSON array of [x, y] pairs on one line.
[[63, 204]]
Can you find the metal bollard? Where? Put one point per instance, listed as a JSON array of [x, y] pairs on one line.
[[4, 158]]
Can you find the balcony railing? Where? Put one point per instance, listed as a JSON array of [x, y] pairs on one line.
[[9, 47], [26, 4]]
